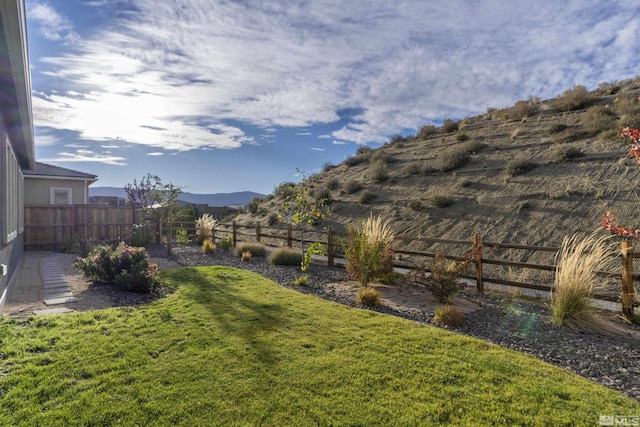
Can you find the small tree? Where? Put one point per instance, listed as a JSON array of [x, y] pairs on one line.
[[370, 250], [306, 209]]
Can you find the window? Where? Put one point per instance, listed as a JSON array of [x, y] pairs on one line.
[[60, 196], [12, 193]]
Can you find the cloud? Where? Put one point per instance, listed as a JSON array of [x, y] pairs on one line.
[[86, 156], [52, 25], [188, 75], [155, 153], [317, 149]]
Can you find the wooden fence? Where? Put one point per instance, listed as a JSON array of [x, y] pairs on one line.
[[480, 252], [47, 227]]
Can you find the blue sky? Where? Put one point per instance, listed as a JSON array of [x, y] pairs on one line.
[[222, 96]]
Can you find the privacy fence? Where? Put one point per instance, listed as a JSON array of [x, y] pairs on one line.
[[514, 265]]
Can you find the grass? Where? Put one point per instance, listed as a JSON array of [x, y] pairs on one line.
[[519, 166], [230, 347], [576, 279], [285, 256], [254, 249]]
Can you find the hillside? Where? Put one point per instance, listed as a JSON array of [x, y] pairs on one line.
[[529, 174], [216, 199]]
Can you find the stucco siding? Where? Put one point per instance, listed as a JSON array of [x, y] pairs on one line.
[[38, 190]]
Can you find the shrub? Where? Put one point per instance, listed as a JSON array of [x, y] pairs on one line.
[[441, 201], [412, 169], [368, 197], [416, 205], [254, 205], [561, 154], [453, 158], [630, 120], [301, 281], [370, 250], [355, 160], [352, 186], [205, 226], [519, 166], [449, 316], [379, 171], [557, 128], [597, 119], [364, 150], [323, 194], [333, 184], [226, 244], [449, 125], [285, 256], [255, 249], [627, 104], [208, 246], [182, 238], [246, 256], [572, 99], [444, 281], [327, 167], [473, 147], [521, 110], [70, 244], [462, 137], [285, 189], [578, 262], [141, 235], [368, 297], [426, 131], [124, 266]]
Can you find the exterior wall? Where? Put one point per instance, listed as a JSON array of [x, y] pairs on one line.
[[37, 191], [11, 256]]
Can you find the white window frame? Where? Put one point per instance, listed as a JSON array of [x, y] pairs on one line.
[[52, 195], [12, 192]]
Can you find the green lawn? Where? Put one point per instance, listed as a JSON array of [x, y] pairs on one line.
[[230, 347]]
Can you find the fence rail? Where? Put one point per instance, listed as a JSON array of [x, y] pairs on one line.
[[47, 226]]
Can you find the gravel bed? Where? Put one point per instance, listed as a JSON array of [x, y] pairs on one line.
[[521, 324]]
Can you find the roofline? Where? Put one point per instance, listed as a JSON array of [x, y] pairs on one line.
[[13, 15], [62, 177]]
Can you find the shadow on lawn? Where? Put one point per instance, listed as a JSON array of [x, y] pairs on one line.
[[250, 320]]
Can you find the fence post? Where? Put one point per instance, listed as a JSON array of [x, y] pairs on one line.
[[627, 279], [289, 235], [477, 255], [235, 233], [159, 231], [330, 247], [258, 231]]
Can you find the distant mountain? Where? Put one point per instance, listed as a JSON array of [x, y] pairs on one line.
[[216, 199]]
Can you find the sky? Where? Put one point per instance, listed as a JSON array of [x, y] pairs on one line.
[[239, 95]]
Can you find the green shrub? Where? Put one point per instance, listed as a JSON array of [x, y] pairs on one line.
[[182, 238], [255, 249], [301, 281], [141, 235], [462, 137], [355, 160], [379, 172], [327, 167], [573, 99], [70, 244], [352, 186], [453, 158], [444, 281], [370, 250], [519, 166], [323, 194], [364, 150], [272, 218], [125, 266], [368, 297], [441, 201], [367, 197], [285, 256], [226, 243]]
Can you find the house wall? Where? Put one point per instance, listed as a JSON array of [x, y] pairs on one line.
[[11, 251], [38, 190]]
